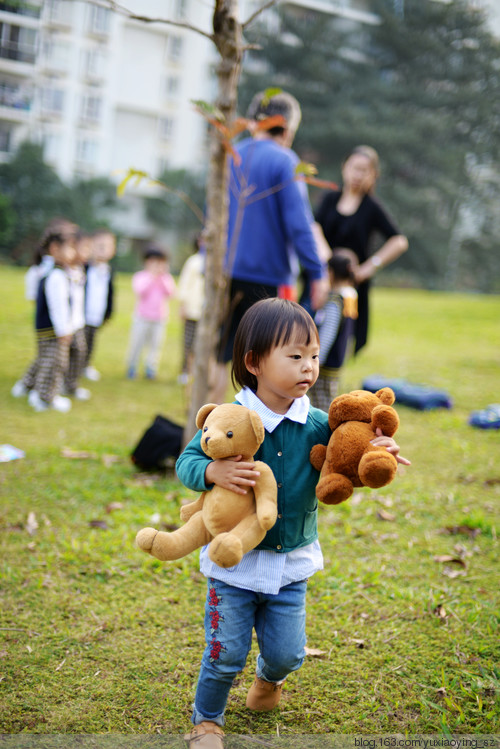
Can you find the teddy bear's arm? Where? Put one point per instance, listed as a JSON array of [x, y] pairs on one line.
[[385, 418], [266, 496], [317, 456], [187, 511]]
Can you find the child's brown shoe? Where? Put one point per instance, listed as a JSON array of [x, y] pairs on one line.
[[205, 735], [264, 695]]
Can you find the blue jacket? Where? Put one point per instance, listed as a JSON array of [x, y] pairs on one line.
[[275, 231]]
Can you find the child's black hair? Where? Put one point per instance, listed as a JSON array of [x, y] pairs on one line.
[[267, 324], [54, 236], [154, 251], [342, 264]]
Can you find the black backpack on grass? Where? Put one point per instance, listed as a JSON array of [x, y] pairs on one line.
[[159, 443]]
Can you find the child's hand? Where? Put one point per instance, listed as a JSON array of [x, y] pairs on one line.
[[232, 474], [382, 441]]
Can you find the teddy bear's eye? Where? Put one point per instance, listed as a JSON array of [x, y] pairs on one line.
[[229, 434], [205, 429]]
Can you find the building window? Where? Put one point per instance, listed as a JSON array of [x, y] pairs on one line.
[[172, 86], [87, 152], [181, 9], [55, 53], [17, 43], [166, 127], [51, 147], [174, 48], [14, 96], [91, 108], [98, 20], [58, 11], [5, 141], [94, 63], [27, 9], [51, 100]]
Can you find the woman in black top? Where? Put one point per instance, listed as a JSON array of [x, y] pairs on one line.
[[350, 216]]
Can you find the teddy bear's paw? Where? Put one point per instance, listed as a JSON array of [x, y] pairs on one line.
[[145, 539], [317, 456], [226, 550], [377, 469], [333, 489]]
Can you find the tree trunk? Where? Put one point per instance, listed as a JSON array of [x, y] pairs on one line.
[[228, 40]]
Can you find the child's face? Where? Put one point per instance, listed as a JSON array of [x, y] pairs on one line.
[[104, 247], [63, 254], [287, 372], [83, 250]]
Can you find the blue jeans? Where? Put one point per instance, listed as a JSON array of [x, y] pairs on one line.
[[230, 615]]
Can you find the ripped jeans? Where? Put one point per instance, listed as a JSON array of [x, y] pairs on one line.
[[230, 616]]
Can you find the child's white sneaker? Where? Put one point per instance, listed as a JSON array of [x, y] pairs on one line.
[[36, 402], [19, 389], [82, 394], [60, 403], [91, 373]]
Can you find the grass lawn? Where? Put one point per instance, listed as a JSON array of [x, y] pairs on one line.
[[403, 623]]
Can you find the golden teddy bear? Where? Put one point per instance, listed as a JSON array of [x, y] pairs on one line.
[[231, 523]]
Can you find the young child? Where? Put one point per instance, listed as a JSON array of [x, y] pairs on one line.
[[99, 293], [152, 286], [43, 262], [54, 327], [78, 345], [275, 362], [336, 325], [190, 293]]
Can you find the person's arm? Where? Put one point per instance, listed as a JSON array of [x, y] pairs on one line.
[[387, 254], [142, 282], [57, 294], [390, 444], [199, 472]]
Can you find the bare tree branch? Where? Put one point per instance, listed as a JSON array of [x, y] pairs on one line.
[[123, 11], [257, 13]]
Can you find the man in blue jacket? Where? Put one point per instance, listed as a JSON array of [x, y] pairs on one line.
[[271, 228]]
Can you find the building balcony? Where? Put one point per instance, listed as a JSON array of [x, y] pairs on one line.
[[16, 52]]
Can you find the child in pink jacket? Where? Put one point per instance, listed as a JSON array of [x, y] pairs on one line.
[[153, 286]]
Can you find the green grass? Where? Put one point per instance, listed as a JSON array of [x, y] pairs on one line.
[[96, 637]]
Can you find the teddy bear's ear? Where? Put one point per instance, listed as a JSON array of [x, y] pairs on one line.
[[257, 426], [386, 395], [203, 413]]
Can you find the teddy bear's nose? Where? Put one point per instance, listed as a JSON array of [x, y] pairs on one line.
[[206, 440]]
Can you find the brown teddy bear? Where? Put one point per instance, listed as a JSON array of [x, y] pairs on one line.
[[349, 459], [231, 523]]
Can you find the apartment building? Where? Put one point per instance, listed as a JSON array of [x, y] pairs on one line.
[[100, 91]]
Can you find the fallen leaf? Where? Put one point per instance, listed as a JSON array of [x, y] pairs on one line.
[[31, 523], [67, 452], [465, 530], [453, 573], [440, 611], [61, 664], [99, 524], [448, 558], [492, 481], [155, 518], [359, 643], [169, 527], [114, 506], [315, 652], [31, 546], [387, 516]]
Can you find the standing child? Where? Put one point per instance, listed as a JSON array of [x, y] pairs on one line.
[[43, 262], [275, 362], [99, 292], [336, 323], [54, 327], [152, 286], [190, 293], [78, 345]]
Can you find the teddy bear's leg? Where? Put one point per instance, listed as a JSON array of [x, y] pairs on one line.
[[187, 511], [377, 468], [227, 549], [333, 489], [168, 546]]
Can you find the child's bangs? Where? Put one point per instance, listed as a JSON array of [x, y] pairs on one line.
[[296, 327]]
